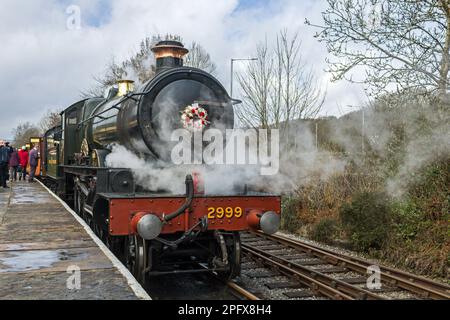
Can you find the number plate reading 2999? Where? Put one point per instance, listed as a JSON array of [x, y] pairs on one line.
[[228, 212]]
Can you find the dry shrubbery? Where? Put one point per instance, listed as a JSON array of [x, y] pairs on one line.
[[394, 202], [291, 221], [325, 230], [412, 231], [319, 199], [367, 220], [422, 235]]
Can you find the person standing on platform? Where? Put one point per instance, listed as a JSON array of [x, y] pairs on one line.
[[10, 150], [23, 157], [9, 147], [4, 161], [13, 164], [34, 156]]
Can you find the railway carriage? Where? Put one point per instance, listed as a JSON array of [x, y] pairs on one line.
[[153, 232]]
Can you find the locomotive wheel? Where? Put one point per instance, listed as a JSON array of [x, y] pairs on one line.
[[103, 235], [116, 246], [88, 220], [77, 201], [94, 228], [108, 241], [78, 204], [136, 257], [233, 243]]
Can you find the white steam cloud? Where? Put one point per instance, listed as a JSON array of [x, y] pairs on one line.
[[158, 176], [301, 161]]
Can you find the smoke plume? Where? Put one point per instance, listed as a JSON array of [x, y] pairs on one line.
[[406, 136]]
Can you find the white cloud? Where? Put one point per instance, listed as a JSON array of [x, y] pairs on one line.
[[44, 65]]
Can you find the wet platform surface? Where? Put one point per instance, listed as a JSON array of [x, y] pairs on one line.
[[42, 243]]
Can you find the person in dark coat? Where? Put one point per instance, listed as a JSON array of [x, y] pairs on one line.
[[4, 161], [10, 150], [13, 165], [34, 156], [9, 147], [23, 157]]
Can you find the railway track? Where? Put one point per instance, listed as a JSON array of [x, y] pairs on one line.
[[241, 292], [304, 271], [316, 272]]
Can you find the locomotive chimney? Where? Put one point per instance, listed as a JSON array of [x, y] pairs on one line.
[[169, 54]]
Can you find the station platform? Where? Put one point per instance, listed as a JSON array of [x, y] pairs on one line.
[[48, 253]]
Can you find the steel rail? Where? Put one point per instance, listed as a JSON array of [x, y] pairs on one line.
[[309, 281], [342, 286], [423, 287], [240, 290], [233, 285], [408, 276]]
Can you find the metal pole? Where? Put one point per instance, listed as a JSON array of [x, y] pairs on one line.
[[363, 131], [232, 72], [317, 141], [231, 79]]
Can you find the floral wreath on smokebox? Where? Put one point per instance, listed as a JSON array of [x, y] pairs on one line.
[[194, 117]]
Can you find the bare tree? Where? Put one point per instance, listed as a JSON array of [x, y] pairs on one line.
[[278, 87], [256, 84], [23, 132], [199, 58], [113, 73], [298, 95], [400, 44], [140, 67], [50, 119]]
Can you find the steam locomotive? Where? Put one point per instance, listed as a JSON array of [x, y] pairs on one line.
[[152, 232]]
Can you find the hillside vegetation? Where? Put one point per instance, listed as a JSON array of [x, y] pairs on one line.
[[389, 197]]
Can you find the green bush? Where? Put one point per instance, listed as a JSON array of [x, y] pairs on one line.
[[325, 230], [367, 220], [407, 219], [289, 218]]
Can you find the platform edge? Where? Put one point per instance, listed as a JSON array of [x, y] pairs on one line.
[[132, 282]]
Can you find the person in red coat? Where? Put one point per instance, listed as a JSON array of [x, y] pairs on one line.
[[23, 157]]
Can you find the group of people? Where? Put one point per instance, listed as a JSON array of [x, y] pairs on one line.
[[14, 162]]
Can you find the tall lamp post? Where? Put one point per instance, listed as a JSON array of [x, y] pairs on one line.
[[232, 71], [363, 128]]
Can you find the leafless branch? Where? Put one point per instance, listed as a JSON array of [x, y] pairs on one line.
[[402, 44], [278, 87]]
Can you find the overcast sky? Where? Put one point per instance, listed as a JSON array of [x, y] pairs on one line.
[[44, 64]]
